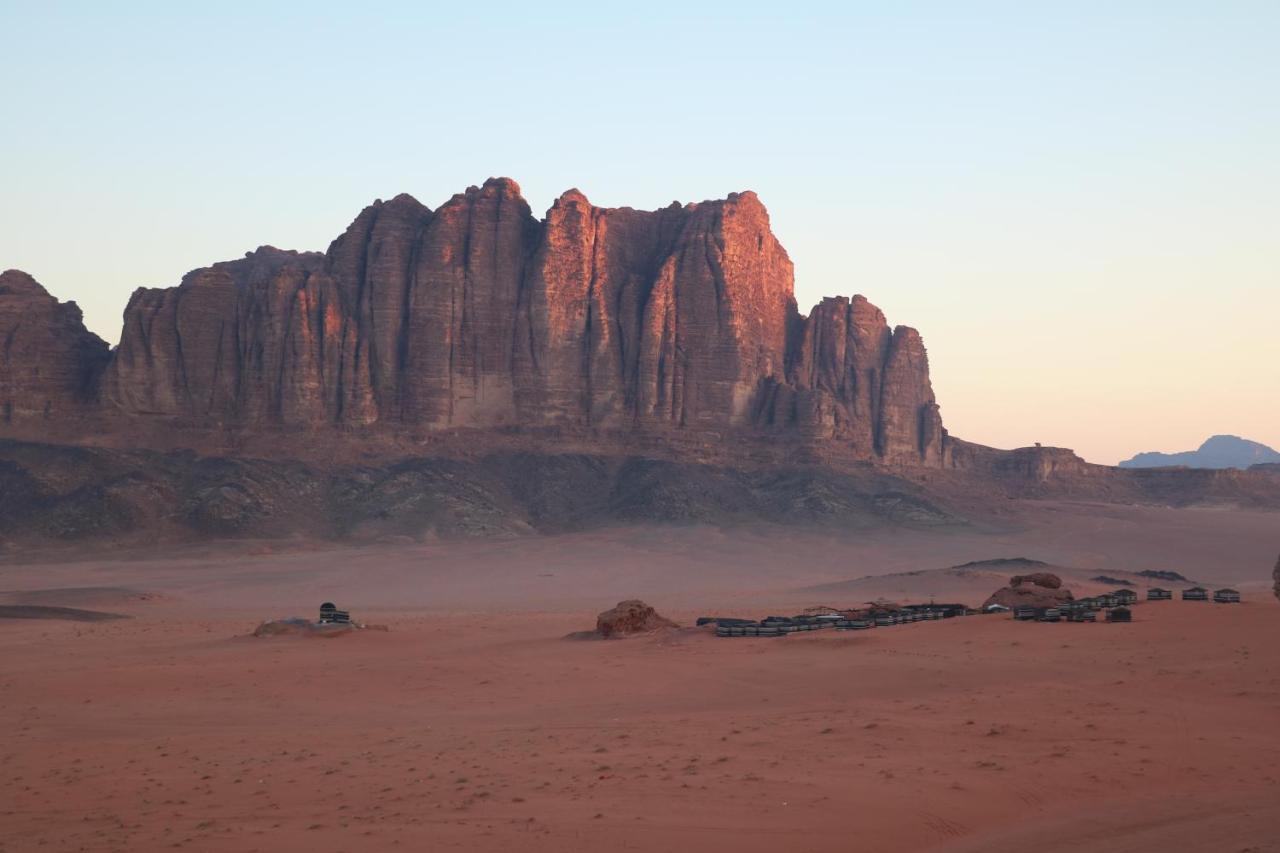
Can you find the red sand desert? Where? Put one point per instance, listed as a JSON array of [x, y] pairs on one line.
[[473, 725]]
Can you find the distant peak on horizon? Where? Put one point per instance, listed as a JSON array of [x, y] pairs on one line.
[[1217, 451]]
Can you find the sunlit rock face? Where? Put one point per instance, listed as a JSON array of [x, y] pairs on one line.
[[477, 315]]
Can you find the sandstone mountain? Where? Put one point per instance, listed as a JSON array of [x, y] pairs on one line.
[[475, 370], [678, 323]]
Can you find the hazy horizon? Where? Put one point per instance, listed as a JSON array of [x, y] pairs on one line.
[[1077, 211]]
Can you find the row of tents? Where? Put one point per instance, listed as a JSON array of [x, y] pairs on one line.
[[1115, 604], [849, 620], [1226, 595], [1195, 593]]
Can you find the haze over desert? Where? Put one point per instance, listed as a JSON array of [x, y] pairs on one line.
[[472, 724]]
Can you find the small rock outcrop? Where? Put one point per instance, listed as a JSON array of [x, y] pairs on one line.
[[1048, 580], [1041, 589], [628, 618]]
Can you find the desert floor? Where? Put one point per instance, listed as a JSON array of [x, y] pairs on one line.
[[473, 725]]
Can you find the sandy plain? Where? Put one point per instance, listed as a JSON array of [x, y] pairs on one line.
[[473, 725]]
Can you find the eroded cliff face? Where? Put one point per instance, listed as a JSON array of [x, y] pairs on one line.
[[478, 315], [49, 362], [853, 380]]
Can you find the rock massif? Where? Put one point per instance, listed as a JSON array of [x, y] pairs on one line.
[[49, 363], [592, 321]]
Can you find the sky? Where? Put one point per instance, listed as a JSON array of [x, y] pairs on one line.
[[1077, 204]]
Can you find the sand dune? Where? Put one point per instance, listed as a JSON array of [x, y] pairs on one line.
[[68, 614]]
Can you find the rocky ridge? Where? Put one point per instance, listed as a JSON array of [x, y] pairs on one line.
[[679, 322], [473, 370]]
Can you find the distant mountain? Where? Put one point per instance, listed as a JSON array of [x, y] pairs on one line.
[[1220, 451]]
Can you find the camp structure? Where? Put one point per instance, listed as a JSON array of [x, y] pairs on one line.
[[1226, 596], [330, 614], [754, 629], [1119, 614], [937, 611], [1195, 593], [1082, 615], [1158, 594], [1125, 597], [1048, 614], [1024, 613]]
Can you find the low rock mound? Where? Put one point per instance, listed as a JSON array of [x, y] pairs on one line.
[[1040, 589], [302, 628], [629, 618]]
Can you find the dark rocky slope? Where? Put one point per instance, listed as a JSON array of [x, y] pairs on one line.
[[82, 495]]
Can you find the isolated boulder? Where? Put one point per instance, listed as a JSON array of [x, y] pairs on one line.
[[630, 617], [1040, 589]]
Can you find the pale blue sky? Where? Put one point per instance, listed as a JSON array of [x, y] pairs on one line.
[[1078, 204]]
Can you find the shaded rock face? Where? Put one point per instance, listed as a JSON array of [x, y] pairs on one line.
[[49, 362], [630, 617], [853, 379], [478, 315]]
